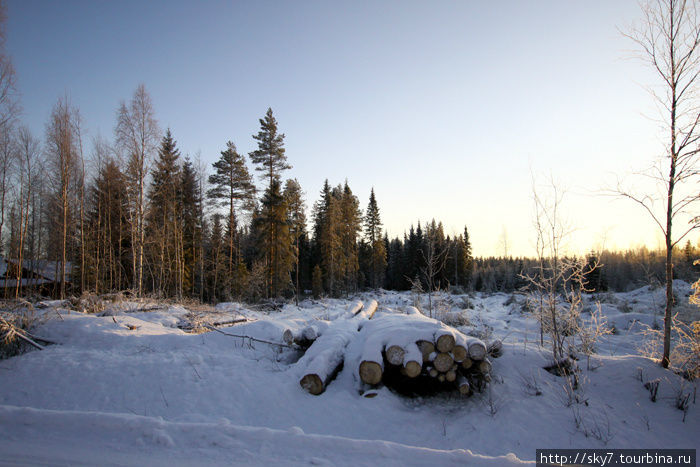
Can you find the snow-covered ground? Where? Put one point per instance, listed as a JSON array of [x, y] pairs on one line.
[[129, 387]]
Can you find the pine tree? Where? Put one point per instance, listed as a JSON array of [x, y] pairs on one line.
[[270, 156], [232, 187], [270, 159]]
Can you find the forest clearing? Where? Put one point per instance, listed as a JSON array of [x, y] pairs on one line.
[[168, 383]]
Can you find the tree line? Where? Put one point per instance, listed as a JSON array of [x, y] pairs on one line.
[[135, 214]]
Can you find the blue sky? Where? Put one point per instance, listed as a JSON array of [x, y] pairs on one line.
[[443, 107]]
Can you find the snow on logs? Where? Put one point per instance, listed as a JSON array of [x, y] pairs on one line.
[[420, 349], [326, 354]]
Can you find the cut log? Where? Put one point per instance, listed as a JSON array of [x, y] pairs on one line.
[[433, 372], [441, 377], [443, 362], [464, 386], [370, 372], [426, 348], [467, 363], [304, 337], [412, 360], [485, 367], [371, 362], [326, 356], [355, 308], [444, 340], [394, 355], [459, 352], [477, 349], [451, 376], [312, 384], [367, 313]]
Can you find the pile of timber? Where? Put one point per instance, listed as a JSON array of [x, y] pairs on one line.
[[415, 354], [408, 352], [327, 342]]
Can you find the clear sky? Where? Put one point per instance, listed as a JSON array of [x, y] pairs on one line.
[[444, 107]]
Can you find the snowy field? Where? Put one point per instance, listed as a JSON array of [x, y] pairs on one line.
[[126, 387]]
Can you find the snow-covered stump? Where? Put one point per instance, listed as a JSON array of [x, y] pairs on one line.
[[326, 355]]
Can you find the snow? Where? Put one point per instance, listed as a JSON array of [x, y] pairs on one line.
[[131, 388]]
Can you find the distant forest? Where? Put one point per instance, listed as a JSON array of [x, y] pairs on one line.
[[134, 214]]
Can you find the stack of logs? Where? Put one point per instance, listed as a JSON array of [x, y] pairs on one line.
[[415, 354], [406, 351]]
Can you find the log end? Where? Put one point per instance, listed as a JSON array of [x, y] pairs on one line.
[[459, 352], [477, 350], [443, 362], [413, 369], [464, 387], [312, 384], [445, 342], [370, 372], [395, 354]]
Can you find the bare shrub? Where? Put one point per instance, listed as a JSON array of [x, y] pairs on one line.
[[13, 328]]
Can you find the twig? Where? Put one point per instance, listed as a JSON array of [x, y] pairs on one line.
[[247, 337]]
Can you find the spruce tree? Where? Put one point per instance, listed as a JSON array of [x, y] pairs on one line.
[[275, 242], [469, 260], [163, 219], [373, 226], [192, 215], [107, 215], [296, 218]]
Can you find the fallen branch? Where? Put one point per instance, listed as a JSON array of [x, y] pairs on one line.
[[253, 339]]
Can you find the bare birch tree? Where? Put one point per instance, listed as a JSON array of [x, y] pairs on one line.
[[28, 152], [137, 134], [63, 152], [670, 43]]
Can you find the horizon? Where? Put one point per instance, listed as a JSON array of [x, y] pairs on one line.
[[445, 110]]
